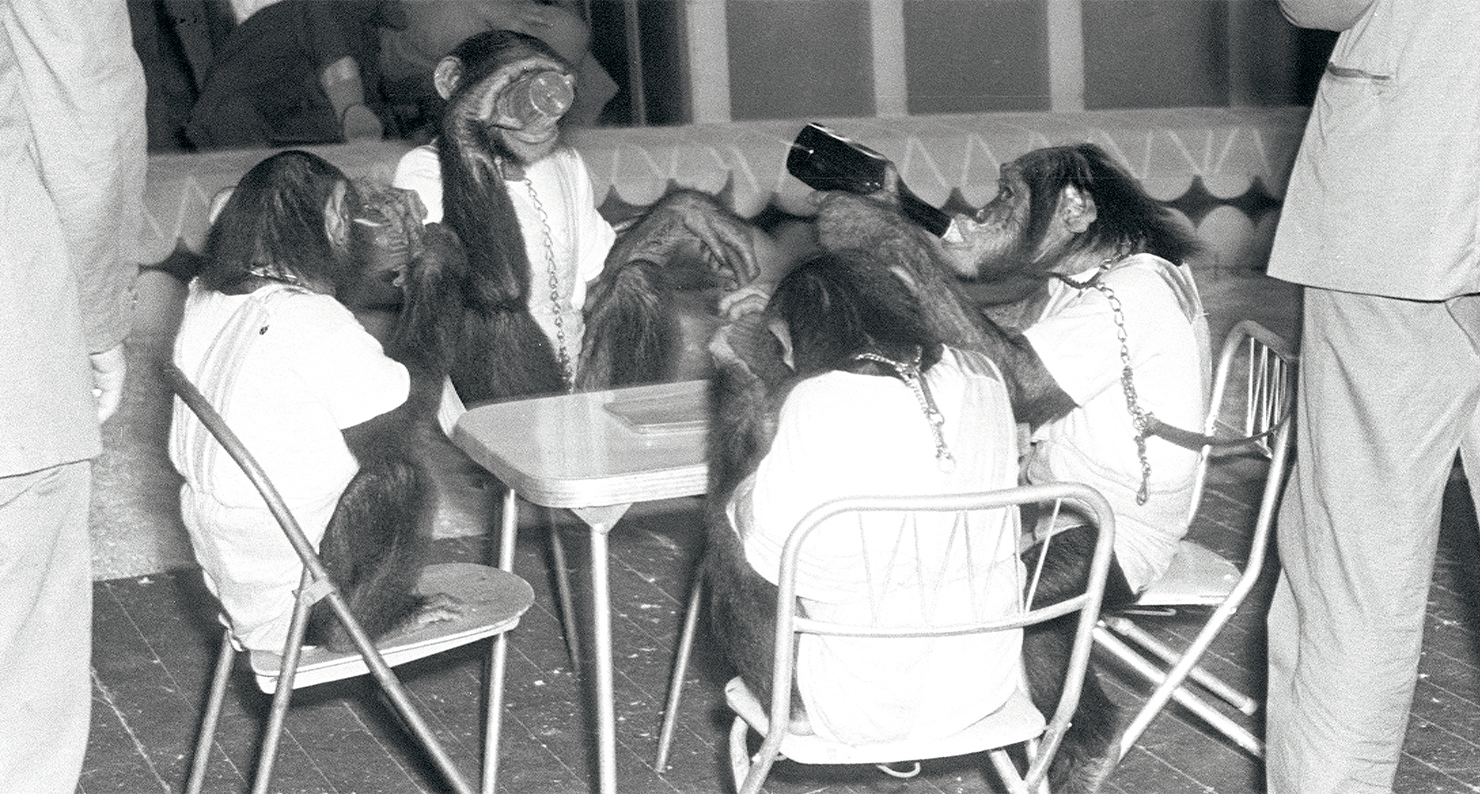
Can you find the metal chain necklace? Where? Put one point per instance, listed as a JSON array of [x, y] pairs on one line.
[[909, 372], [1140, 417], [567, 372]]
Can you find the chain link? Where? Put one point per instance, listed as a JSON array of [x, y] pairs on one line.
[[1140, 417], [909, 372], [567, 373]]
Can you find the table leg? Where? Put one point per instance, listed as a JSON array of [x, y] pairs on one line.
[[601, 520], [563, 592], [498, 656]]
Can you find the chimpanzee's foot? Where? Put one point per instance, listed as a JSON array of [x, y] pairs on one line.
[[436, 608]]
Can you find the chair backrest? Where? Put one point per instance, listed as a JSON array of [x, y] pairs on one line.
[[1252, 398], [316, 583], [912, 542]]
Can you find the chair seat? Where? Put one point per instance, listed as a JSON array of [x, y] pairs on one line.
[[1018, 720], [1197, 576], [492, 602]]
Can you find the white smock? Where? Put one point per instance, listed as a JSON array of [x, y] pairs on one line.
[[845, 434], [1077, 339], [288, 369]]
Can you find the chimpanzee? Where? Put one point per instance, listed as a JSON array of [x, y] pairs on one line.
[[518, 320], [332, 417], [1087, 259], [856, 395], [1115, 326]]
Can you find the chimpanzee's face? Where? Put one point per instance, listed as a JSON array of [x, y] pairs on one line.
[[996, 237], [481, 109], [527, 142]]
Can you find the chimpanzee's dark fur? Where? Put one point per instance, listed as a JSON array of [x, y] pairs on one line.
[[746, 403], [497, 348], [376, 542], [1086, 747], [632, 331]]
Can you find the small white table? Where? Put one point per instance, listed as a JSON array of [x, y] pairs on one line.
[[595, 453]]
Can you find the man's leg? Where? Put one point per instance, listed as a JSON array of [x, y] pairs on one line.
[[1387, 390], [1466, 312], [45, 628]]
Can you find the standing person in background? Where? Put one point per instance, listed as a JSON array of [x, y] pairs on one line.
[[1381, 224], [293, 72], [72, 166]]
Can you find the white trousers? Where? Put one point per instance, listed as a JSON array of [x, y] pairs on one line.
[[1388, 391], [45, 629]]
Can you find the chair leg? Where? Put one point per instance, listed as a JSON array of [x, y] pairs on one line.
[[1217, 719], [498, 653], [1007, 771], [212, 715], [750, 771], [390, 687], [563, 592], [740, 760], [493, 720], [1128, 629], [282, 696], [680, 672], [270, 737]]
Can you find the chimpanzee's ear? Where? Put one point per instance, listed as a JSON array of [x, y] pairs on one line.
[[336, 216], [782, 333], [1077, 209], [447, 75]]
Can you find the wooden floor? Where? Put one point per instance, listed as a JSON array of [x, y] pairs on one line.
[[155, 638]]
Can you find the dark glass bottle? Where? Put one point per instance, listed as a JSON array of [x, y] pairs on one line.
[[825, 160]]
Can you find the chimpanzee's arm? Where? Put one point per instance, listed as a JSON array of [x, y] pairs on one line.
[[427, 328], [688, 221], [375, 543], [848, 221], [749, 384], [1036, 396]]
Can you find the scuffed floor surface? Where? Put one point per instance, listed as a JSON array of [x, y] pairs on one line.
[[156, 636]]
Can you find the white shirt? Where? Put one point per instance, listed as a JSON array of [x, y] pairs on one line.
[[843, 434], [1384, 195], [1078, 341], [289, 370]]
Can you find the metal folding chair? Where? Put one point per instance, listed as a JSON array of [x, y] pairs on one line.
[[1258, 418], [1017, 722], [493, 600]]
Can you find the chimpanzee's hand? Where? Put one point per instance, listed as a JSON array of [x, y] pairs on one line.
[[687, 219], [426, 326], [386, 238], [749, 299], [723, 236], [442, 256], [747, 344]]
